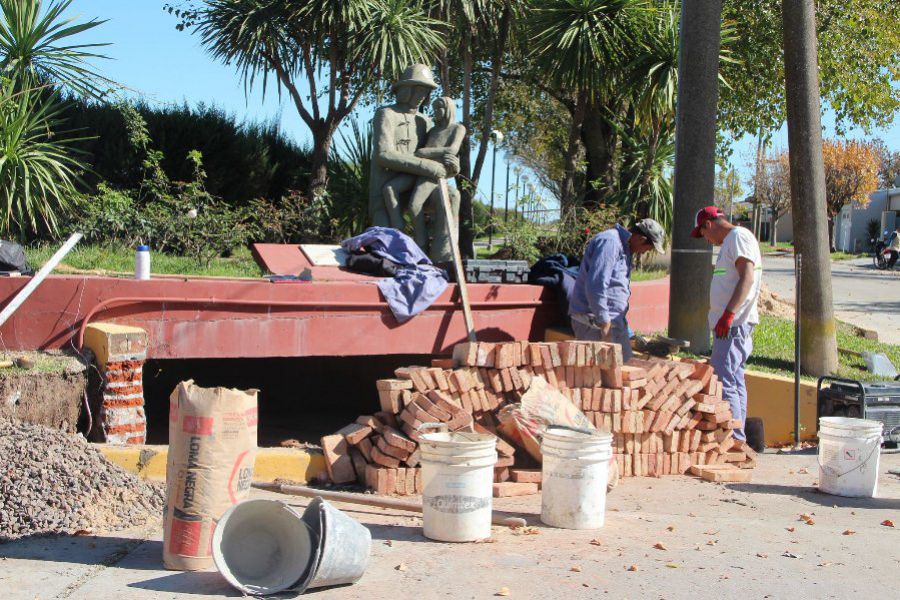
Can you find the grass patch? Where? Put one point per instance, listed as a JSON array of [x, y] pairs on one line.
[[648, 274], [99, 259], [787, 247], [773, 350]]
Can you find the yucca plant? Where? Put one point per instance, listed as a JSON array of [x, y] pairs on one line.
[[36, 48], [39, 168]]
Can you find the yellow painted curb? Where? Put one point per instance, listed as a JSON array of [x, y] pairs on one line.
[[771, 397], [149, 462]]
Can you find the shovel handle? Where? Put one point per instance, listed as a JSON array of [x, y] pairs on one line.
[[371, 500]]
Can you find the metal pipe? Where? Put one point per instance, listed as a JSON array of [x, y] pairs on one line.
[[336, 305], [38, 278], [506, 195], [493, 174], [497, 518], [797, 260]]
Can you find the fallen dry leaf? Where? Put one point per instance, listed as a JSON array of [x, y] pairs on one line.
[[388, 543], [825, 564], [660, 546], [848, 532], [691, 515], [401, 567], [711, 532], [887, 523], [712, 542], [576, 569], [504, 591], [672, 565], [787, 554], [804, 471], [595, 542], [632, 568], [761, 555], [791, 529], [670, 528]]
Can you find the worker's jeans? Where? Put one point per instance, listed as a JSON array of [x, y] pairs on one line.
[[729, 357], [618, 334]]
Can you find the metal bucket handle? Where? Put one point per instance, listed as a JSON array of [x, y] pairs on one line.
[[832, 471]]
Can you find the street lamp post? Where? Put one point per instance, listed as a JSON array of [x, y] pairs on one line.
[[497, 137]]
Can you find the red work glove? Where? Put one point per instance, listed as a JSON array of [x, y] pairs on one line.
[[724, 324]]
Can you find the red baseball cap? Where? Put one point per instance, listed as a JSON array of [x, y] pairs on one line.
[[707, 213]]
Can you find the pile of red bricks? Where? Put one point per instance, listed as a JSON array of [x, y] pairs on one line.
[[665, 416]]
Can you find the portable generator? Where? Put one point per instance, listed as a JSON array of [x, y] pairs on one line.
[[878, 401]]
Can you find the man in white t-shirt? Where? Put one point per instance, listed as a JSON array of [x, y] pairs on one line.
[[732, 304]]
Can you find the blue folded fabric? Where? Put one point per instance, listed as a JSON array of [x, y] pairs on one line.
[[416, 285]]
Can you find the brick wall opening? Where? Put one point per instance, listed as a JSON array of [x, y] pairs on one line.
[[300, 398]]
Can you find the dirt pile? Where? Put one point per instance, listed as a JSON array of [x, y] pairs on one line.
[[770, 303], [55, 483]]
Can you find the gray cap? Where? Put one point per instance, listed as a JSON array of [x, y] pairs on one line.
[[654, 233]]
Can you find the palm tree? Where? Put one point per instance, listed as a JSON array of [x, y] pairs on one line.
[[578, 48], [38, 170], [36, 48], [339, 49]]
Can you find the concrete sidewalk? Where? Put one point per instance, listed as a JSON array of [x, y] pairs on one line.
[[721, 540]]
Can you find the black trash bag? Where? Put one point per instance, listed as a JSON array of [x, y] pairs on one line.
[[12, 258]]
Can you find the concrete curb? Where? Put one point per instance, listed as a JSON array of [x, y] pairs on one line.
[[149, 462], [771, 397]]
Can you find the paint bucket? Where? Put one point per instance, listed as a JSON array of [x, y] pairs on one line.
[[265, 547], [574, 477], [849, 454], [458, 480]]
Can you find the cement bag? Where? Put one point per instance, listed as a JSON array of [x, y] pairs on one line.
[[542, 405], [212, 446]]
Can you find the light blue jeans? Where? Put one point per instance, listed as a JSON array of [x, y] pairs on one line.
[[729, 358], [618, 334]]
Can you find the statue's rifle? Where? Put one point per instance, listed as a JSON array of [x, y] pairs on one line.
[[457, 258]]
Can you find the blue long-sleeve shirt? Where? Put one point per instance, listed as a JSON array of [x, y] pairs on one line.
[[603, 286]]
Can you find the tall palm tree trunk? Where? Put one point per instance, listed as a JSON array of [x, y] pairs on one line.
[[818, 352]]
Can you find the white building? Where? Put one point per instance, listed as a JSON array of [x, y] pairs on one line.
[[851, 227]]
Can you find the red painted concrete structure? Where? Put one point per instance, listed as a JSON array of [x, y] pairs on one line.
[[338, 314]]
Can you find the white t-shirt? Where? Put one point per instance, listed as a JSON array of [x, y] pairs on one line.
[[740, 242]]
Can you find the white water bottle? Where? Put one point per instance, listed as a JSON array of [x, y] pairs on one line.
[[142, 263]]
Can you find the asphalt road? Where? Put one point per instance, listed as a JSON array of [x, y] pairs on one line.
[[862, 295]]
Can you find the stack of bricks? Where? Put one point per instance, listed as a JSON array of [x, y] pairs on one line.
[[119, 352], [374, 452], [665, 416]]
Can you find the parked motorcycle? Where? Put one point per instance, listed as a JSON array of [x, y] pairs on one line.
[[879, 256]]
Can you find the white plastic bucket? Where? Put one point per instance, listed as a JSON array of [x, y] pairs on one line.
[[574, 476], [263, 547], [458, 479], [849, 454]]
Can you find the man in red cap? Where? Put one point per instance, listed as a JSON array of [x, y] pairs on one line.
[[732, 304]]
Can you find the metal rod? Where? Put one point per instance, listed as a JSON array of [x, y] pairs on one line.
[[369, 500], [38, 278], [506, 195], [493, 175], [798, 262]]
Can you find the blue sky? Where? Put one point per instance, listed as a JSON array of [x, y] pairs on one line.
[[162, 65]]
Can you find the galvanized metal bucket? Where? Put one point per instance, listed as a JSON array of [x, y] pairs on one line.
[[344, 547], [265, 547]]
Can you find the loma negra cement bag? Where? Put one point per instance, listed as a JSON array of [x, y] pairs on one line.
[[212, 446]]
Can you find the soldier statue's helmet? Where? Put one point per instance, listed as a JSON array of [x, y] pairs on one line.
[[416, 75]]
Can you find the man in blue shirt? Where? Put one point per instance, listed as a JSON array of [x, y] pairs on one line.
[[599, 303]]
